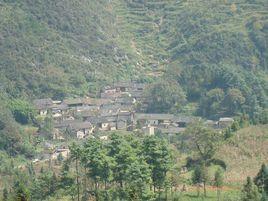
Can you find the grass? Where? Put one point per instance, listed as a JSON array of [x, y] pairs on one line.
[[192, 195], [245, 152]]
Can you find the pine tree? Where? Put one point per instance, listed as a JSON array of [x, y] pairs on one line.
[[261, 180], [75, 156], [200, 175], [196, 178], [5, 194], [60, 158], [250, 191], [219, 177], [22, 193], [264, 197]]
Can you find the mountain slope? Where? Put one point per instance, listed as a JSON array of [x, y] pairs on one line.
[[245, 152], [57, 49]]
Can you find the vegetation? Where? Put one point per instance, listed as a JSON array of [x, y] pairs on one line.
[[141, 168], [250, 191], [205, 58], [64, 49]]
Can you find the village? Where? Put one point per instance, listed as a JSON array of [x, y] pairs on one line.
[[120, 107]]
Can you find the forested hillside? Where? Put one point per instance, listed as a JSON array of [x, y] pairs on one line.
[[55, 49], [212, 49], [192, 62]]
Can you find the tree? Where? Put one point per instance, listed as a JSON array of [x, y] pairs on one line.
[[250, 191], [47, 127], [22, 193], [234, 100], [264, 196], [211, 103], [67, 180], [219, 179], [204, 141], [11, 140], [159, 157], [200, 175], [76, 156], [196, 179], [261, 180], [138, 180], [5, 194], [165, 96], [22, 111], [124, 153], [60, 158], [45, 185], [97, 162]]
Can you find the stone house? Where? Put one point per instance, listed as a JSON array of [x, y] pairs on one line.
[[153, 119], [81, 129], [225, 122], [148, 130], [182, 121], [43, 106]]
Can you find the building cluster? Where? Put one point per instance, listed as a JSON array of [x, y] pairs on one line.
[[116, 109]]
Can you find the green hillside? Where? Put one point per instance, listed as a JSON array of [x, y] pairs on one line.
[[51, 49], [204, 45], [56, 49], [205, 58]]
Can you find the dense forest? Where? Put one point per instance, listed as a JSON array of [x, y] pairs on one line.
[[205, 58]]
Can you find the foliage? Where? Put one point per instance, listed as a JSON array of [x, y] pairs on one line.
[[261, 180], [131, 164], [200, 175], [22, 193], [250, 191], [158, 156], [215, 51], [46, 127], [45, 185], [10, 138], [204, 141], [219, 180], [165, 96], [22, 111]]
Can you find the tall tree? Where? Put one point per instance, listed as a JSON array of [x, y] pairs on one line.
[[22, 111], [234, 101], [76, 156], [250, 191], [219, 179], [22, 193], [204, 141], [139, 180], [5, 194], [159, 157], [165, 96], [211, 103], [201, 176], [261, 180], [97, 162]]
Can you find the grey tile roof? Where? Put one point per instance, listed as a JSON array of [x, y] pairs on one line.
[[171, 130], [145, 116], [74, 124], [43, 103]]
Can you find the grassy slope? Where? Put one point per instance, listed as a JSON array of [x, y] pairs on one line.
[[245, 153]]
